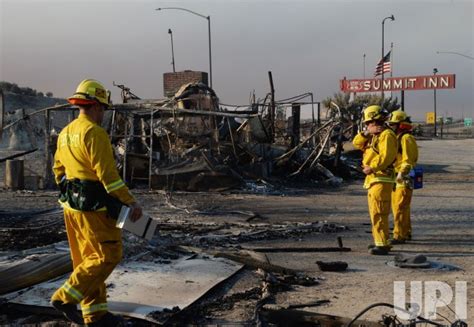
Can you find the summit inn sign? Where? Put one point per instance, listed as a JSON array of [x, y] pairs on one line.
[[399, 83]]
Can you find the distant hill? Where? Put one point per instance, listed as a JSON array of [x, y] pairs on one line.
[[29, 103], [28, 133], [19, 97]]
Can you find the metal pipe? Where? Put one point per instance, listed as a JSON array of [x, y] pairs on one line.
[[151, 149], [232, 138], [124, 166], [403, 99], [62, 107], [319, 114]]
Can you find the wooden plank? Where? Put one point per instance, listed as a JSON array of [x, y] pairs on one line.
[[253, 262], [28, 273], [249, 258]]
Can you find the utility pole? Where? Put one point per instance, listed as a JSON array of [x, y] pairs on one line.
[[170, 32], [435, 70]]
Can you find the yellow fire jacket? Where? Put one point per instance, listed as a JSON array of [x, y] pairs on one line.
[[407, 154], [84, 152], [380, 152]]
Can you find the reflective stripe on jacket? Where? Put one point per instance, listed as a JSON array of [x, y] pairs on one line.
[[84, 152], [380, 152]]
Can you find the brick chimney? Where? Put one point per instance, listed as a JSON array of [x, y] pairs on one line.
[[173, 81]]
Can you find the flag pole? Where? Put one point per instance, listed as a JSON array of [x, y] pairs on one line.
[[391, 64], [391, 60], [364, 65]]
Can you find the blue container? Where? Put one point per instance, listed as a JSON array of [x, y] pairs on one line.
[[416, 175]]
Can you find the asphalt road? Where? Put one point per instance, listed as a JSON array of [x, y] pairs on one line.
[[443, 224]]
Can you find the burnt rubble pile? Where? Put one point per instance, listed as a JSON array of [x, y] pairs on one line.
[[190, 143]]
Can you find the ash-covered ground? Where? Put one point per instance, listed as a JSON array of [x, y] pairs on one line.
[[287, 218]]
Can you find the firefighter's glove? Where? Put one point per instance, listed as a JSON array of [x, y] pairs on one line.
[[136, 211], [375, 129], [368, 170], [400, 178]]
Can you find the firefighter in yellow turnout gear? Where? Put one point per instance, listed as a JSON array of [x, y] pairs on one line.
[[379, 146], [407, 157], [84, 165]]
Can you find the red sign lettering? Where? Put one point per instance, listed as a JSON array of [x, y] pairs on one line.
[[399, 83]]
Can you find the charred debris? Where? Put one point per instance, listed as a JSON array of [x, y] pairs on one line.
[[192, 142]]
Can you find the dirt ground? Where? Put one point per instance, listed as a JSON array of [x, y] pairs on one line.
[[442, 214]]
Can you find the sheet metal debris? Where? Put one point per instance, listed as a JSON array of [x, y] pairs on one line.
[[419, 261], [142, 289]]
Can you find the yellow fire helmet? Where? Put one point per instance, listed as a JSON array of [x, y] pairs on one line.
[[90, 91], [374, 112], [397, 116]]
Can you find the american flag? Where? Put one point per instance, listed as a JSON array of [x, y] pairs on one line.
[[383, 64]]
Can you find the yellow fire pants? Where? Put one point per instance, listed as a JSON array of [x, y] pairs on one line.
[[96, 248], [401, 200], [379, 208]]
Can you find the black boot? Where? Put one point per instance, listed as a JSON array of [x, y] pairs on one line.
[[379, 250], [108, 320], [396, 241], [69, 310]]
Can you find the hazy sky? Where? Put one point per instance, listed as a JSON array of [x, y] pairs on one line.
[[308, 45]]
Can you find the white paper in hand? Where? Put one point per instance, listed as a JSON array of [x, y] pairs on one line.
[[144, 227]]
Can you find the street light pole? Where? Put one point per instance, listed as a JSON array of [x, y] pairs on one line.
[[210, 51], [456, 53], [209, 34], [170, 32], [435, 70], [392, 18]]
